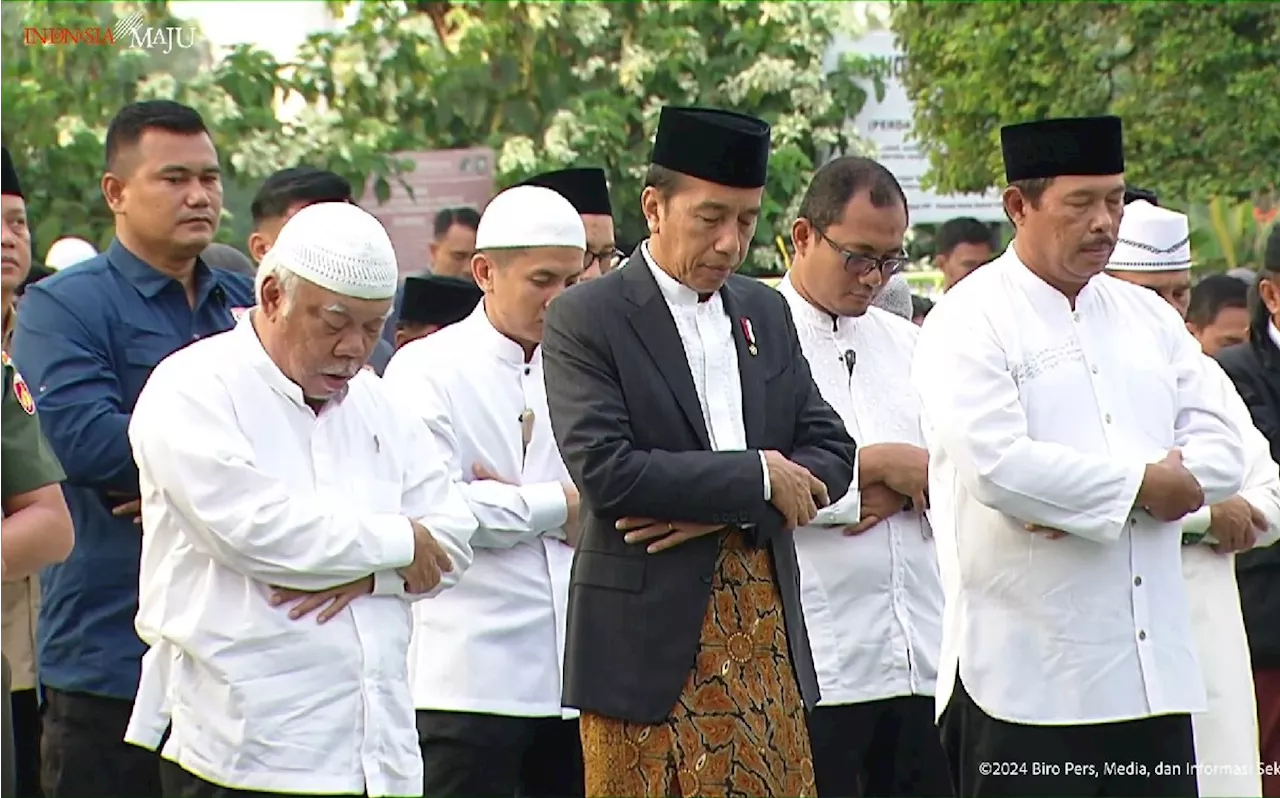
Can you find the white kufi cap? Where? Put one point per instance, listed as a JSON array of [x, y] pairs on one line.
[[340, 247], [1152, 239], [68, 252], [530, 216]]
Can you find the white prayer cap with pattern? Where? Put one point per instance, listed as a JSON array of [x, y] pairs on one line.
[[340, 247], [530, 216], [1152, 239], [895, 296]]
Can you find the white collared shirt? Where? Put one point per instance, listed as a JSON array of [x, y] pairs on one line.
[[873, 602], [706, 333], [1039, 413], [1226, 734], [494, 644], [245, 487]]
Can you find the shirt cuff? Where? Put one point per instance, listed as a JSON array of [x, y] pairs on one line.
[[398, 544], [1197, 522], [388, 583], [548, 508], [844, 511], [768, 487]]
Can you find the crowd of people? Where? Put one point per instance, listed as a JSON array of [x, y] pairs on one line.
[[560, 520]]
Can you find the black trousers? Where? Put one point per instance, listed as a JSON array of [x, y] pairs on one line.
[[888, 749], [180, 783], [83, 753], [470, 755], [1147, 758], [26, 742], [8, 782]]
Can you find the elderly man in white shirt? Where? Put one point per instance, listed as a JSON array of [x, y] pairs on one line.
[[486, 663], [279, 478], [872, 597], [1057, 397], [1154, 251]]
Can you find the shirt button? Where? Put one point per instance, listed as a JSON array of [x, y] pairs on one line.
[[1142, 635], [1107, 418], [526, 371], [1137, 581], [1094, 369], [1075, 316]]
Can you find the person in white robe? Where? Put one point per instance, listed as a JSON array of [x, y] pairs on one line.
[[1154, 251], [279, 479], [872, 596], [1056, 397], [487, 658]]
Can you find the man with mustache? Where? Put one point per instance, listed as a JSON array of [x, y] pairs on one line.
[[486, 664], [285, 193], [1055, 396], [278, 478], [86, 340], [687, 417]]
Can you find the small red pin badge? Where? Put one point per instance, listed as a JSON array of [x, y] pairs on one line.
[[23, 394], [750, 335]]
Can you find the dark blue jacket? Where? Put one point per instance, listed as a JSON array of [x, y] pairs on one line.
[[86, 340]]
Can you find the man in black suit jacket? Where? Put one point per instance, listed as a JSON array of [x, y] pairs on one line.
[[687, 416]]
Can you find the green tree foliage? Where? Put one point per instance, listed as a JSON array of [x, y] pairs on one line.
[[1196, 85], [551, 84], [58, 100], [546, 84]]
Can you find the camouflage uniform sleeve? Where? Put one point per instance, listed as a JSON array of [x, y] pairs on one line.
[[28, 462]]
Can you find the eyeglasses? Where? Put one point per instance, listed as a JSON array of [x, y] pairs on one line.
[[859, 264], [607, 259]]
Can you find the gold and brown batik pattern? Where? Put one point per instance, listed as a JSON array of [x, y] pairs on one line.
[[739, 726]]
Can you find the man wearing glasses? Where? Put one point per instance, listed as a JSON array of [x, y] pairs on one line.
[[869, 579], [588, 192]]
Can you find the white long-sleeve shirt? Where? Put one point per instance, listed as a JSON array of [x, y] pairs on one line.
[[494, 644], [245, 487], [872, 603], [706, 335], [1226, 734], [1038, 412]]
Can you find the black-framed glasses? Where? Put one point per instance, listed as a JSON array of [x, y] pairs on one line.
[[607, 259], [860, 263]]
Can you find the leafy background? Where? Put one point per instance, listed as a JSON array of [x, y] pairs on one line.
[[550, 84]]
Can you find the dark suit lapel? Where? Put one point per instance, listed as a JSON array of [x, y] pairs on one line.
[[651, 319], [750, 367]]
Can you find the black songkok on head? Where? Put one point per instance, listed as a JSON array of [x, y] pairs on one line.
[[586, 189], [11, 184], [1133, 194], [1058, 147], [437, 299], [721, 147]]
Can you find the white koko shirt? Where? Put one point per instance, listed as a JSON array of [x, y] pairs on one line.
[[495, 643], [1038, 412], [872, 603], [706, 335], [245, 487], [1226, 734]]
